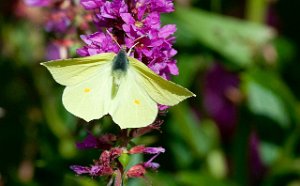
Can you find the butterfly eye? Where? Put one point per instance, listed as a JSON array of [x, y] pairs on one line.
[[87, 90], [137, 102]]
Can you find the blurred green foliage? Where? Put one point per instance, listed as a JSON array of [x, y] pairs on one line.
[[37, 135]]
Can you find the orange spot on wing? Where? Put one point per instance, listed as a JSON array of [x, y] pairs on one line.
[[87, 90], [137, 102]]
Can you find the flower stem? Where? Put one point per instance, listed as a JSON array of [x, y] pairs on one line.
[[118, 178]]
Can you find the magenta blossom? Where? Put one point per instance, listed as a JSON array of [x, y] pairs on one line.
[[92, 142], [256, 166], [147, 150], [139, 170], [218, 101], [103, 166], [108, 161], [93, 170], [39, 3], [58, 21], [91, 4], [134, 22], [55, 50], [97, 43]]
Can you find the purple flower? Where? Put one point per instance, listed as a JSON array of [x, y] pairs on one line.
[[154, 150], [89, 142], [257, 169], [135, 22], [58, 21], [91, 4], [80, 169], [162, 6], [136, 171], [139, 170], [39, 3], [109, 16], [140, 27], [94, 170], [219, 89], [56, 51], [60, 15], [272, 18], [148, 150], [101, 167], [151, 165], [103, 142], [97, 43]]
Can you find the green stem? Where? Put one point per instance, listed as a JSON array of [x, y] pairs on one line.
[[292, 140], [118, 178], [256, 10], [240, 148]]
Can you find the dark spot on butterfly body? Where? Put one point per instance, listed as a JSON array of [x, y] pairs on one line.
[[119, 70], [120, 62]]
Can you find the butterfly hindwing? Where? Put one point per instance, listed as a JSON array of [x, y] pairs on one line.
[[132, 107], [162, 91]]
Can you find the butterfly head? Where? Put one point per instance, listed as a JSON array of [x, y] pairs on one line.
[[120, 62]]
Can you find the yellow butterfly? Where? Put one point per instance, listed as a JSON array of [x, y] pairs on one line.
[[114, 84]]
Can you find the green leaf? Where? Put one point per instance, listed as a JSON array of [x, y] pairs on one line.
[[159, 178], [78, 180], [200, 138], [269, 153], [217, 164], [238, 41], [269, 96], [189, 66], [201, 178], [265, 102], [124, 159]]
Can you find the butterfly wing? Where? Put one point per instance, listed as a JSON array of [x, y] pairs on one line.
[[75, 70], [88, 83], [90, 98], [132, 107], [162, 91]]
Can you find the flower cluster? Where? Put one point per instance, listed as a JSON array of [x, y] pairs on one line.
[[133, 22], [63, 19], [221, 97], [60, 14], [109, 161]]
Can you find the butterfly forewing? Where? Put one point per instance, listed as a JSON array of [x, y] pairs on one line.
[[90, 99], [162, 91], [75, 70]]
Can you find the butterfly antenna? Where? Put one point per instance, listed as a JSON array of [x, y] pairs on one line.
[[131, 48], [112, 36], [141, 37]]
